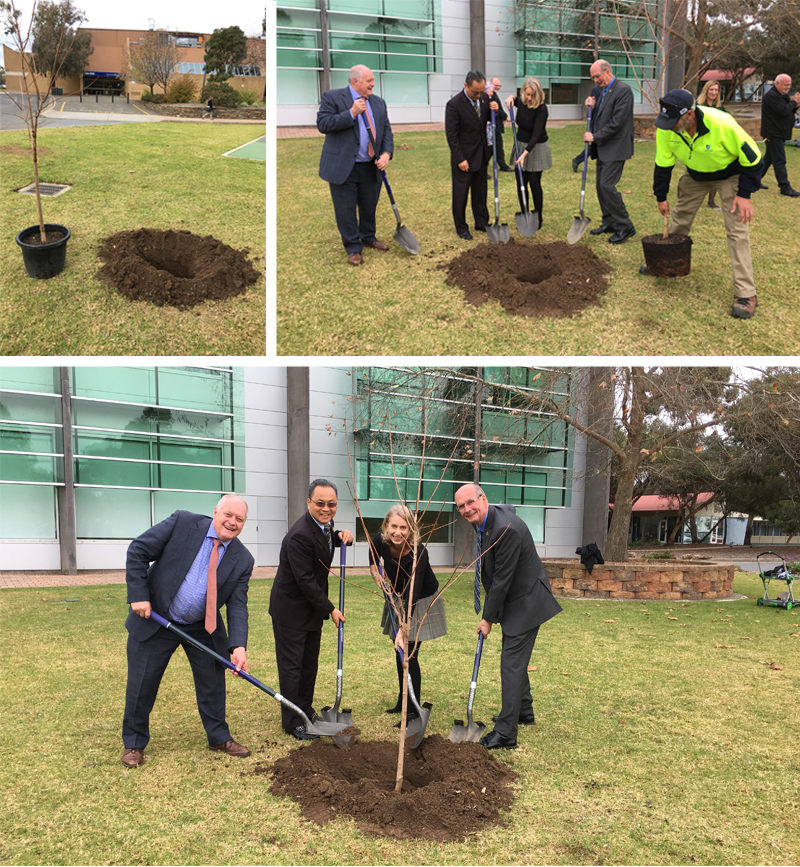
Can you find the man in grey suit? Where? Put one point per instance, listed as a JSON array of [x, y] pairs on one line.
[[198, 565], [518, 597], [349, 163], [611, 138]]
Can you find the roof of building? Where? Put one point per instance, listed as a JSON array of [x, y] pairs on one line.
[[724, 74], [657, 503]]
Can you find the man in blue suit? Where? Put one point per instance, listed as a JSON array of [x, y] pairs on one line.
[[194, 559], [350, 163]]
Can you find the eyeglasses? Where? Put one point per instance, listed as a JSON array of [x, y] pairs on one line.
[[320, 504], [467, 504]]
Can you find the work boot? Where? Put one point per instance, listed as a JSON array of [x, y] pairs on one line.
[[745, 308]]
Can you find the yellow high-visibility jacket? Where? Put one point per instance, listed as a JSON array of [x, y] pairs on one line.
[[719, 149]]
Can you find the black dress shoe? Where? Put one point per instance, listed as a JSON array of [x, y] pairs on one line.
[[495, 741], [523, 720], [480, 228], [465, 236], [314, 716], [506, 169], [790, 192], [576, 164], [601, 230], [410, 717], [301, 734], [763, 187], [622, 235], [643, 270]]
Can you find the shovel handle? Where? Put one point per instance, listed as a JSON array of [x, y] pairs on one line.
[[518, 164], [383, 173], [585, 156]]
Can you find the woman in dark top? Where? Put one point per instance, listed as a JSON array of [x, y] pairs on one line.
[[711, 95], [393, 546], [531, 117]]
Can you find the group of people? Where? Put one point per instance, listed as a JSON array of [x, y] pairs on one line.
[[188, 566], [719, 157]]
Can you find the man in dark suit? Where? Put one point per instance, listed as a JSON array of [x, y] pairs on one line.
[[500, 117], [198, 565], [612, 144], [349, 163], [299, 602], [777, 120], [518, 597], [465, 119]]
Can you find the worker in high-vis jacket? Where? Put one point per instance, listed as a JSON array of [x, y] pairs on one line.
[[718, 153]]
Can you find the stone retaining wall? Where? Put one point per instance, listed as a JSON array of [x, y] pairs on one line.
[[639, 579], [643, 126], [191, 109]]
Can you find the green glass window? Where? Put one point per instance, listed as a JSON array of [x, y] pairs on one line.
[[28, 511]]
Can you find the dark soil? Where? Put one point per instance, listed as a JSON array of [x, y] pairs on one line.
[[553, 280], [449, 790], [35, 240], [179, 269]]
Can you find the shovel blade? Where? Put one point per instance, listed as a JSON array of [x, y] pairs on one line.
[[406, 239], [527, 224], [498, 234], [461, 733], [415, 729], [579, 226], [341, 719]]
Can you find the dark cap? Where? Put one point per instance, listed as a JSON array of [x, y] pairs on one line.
[[674, 106]]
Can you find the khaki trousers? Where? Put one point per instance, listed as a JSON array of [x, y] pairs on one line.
[[691, 195]]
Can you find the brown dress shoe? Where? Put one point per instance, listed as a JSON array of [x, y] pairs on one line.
[[744, 308], [378, 245], [355, 258], [132, 758], [232, 749]]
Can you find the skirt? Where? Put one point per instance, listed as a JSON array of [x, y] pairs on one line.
[[433, 621], [540, 159]]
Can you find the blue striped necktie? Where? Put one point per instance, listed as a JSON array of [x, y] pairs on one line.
[[478, 575]]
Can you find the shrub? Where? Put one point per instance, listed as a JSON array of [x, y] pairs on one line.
[[248, 97], [659, 555], [221, 93], [182, 89], [152, 97]]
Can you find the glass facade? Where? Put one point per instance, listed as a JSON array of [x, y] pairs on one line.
[[556, 42], [416, 442], [146, 441], [396, 39]]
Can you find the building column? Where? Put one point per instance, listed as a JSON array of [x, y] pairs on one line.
[[298, 458], [477, 35], [67, 528], [597, 478]]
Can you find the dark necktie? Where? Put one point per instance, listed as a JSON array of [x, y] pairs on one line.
[[328, 536], [211, 588], [478, 575], [478, 107]]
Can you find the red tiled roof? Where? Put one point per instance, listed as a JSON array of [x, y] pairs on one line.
[[724, 74]]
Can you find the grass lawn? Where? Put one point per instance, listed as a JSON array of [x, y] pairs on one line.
[[398, 305], [662, 737], [162, 176]]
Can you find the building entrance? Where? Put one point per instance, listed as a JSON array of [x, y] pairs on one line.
[[103, 83]]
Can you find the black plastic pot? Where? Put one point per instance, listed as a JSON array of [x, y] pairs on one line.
[[44, 260]]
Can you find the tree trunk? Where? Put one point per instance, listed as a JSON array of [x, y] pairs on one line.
[[748, 530], [617, 542]]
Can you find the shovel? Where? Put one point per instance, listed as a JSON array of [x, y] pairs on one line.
[[414, 728], [581, 223], [324, 729], [527, 222], [333, 714], [472, 731], [402, 234], [497, 234]]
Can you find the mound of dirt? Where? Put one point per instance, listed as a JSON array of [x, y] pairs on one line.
[[553, 280], [449, 790], [178, 269]]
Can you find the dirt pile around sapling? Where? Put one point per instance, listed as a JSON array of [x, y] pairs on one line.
[[178, 269], [552, 280], [449, 790]]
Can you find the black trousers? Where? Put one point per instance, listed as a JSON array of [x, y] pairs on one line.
[[514, 681], [775, 156], [532, 182], [147, 662], [354, 204], [413, 670], [297, 657], [469, 184]]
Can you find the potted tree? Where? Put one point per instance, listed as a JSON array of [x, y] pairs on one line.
[[44, 246]]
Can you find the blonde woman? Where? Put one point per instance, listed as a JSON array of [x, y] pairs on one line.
[[531, 118], [393, 546], [711, 95]]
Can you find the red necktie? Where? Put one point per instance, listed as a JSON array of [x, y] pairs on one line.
[[211, 589], [370, 149]]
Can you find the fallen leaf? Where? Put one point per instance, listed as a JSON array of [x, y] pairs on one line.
[[745, 638], [723, 645], [672, 618], [533, 668], [608, 621]]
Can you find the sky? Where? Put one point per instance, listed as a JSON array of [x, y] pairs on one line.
[[167, 14]]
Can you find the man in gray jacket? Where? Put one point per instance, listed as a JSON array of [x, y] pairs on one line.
[[611, 138], [518, 597]]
